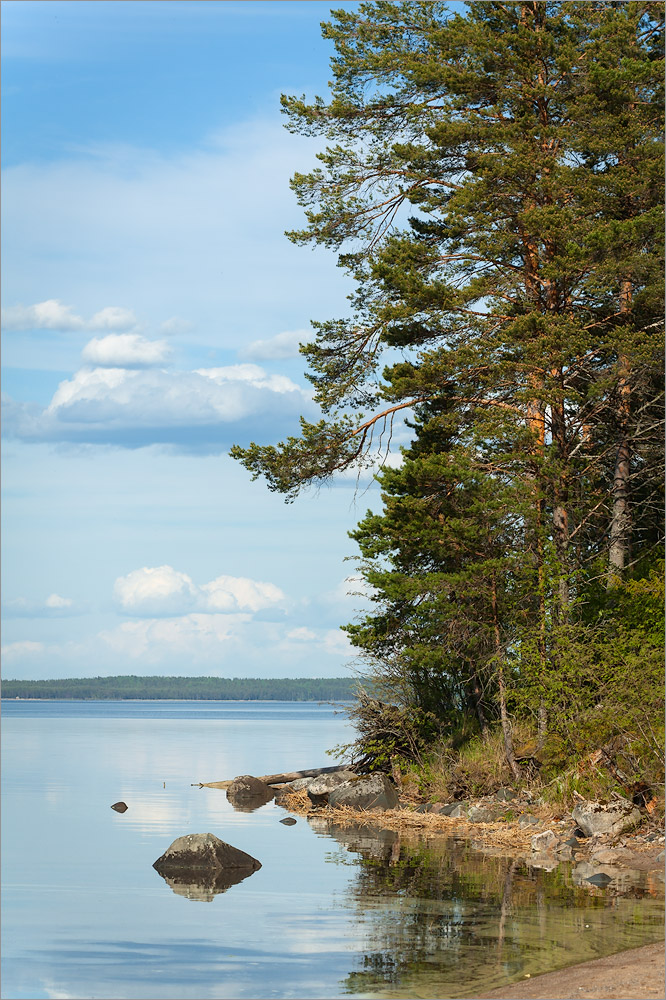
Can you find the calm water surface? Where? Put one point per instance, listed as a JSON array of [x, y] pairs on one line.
[[332, 912]]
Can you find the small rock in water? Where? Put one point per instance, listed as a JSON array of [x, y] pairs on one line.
[[120, 807], [288, 821]]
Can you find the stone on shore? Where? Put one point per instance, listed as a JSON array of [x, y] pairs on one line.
[[597, 818], [372, 792], [544, 843], [456, 810], [320, 788]]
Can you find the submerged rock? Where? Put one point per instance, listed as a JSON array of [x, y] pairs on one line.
[[288, 821], [120, 807], [247, 793]]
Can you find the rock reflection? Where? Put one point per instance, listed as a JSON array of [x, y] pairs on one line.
[[204, 886], [368, 841], [248, 793]]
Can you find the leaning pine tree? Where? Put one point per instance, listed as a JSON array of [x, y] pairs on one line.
[[489, 183]]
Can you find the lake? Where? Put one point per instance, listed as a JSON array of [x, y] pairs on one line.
[[333, 912]]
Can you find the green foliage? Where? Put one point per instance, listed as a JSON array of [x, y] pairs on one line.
[[493, 184]]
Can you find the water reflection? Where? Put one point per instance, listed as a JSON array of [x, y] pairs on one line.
[[204, 886], [439, 918]]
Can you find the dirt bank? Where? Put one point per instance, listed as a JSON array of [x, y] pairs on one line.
[[629, 975]]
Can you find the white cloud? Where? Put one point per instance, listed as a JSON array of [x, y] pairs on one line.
[[93, 220], [158, 590], [53, 314], [253, 375], [237, 593], [125, 350], [301, 634], [56, 601], [164, 591], [197, 636], [205, 409], [54, 606], [16, 651], [112, 318], [282, 345]]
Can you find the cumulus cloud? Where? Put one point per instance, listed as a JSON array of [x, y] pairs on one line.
[[158, 590], [134, 407], [125, 350], [164, 591], [282, 345], [52, 314]]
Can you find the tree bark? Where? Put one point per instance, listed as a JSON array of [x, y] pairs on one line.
[[504, 716], [620, 527]]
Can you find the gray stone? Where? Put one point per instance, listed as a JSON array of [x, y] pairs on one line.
[[369, 791], [660, 857], [527, 819], [598, 818], [482, 814], [543, 842], [204, 852], [320, 788], [456, 810], [564, 852], [296, 786], [247, 793], [505, 795]]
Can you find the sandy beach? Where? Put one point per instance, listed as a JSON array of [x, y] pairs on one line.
[[629, 975]]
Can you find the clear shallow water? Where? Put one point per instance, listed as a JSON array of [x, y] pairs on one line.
[[332, 912]]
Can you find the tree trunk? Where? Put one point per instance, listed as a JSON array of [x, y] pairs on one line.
[[504, 715], [620, 527]]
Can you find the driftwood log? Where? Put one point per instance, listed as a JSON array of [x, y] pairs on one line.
[[279, 779]]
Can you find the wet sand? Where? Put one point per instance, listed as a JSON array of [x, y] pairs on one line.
[[628, 975]]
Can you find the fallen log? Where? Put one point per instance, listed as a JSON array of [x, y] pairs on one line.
[[279, 779]]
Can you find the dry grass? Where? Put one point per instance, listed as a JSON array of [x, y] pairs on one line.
[[498, 835]]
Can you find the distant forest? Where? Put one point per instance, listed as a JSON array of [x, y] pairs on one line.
[[186, 688]]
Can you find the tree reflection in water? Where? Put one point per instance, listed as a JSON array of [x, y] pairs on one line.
[[439, 918]]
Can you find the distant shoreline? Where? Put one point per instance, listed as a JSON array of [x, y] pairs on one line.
[[130, 687], [138, 701]]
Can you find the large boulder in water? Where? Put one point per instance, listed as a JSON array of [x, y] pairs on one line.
[[247, 793], [597, 818], [373, 792], [204, 852]]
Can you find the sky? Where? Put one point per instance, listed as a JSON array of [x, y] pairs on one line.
[[151, 314]]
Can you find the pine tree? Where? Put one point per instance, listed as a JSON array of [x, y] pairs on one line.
[[490, 182]]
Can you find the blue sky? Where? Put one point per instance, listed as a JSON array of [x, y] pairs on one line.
[[152, 309]]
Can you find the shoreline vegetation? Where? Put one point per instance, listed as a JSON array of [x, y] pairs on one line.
[[134, 688]]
